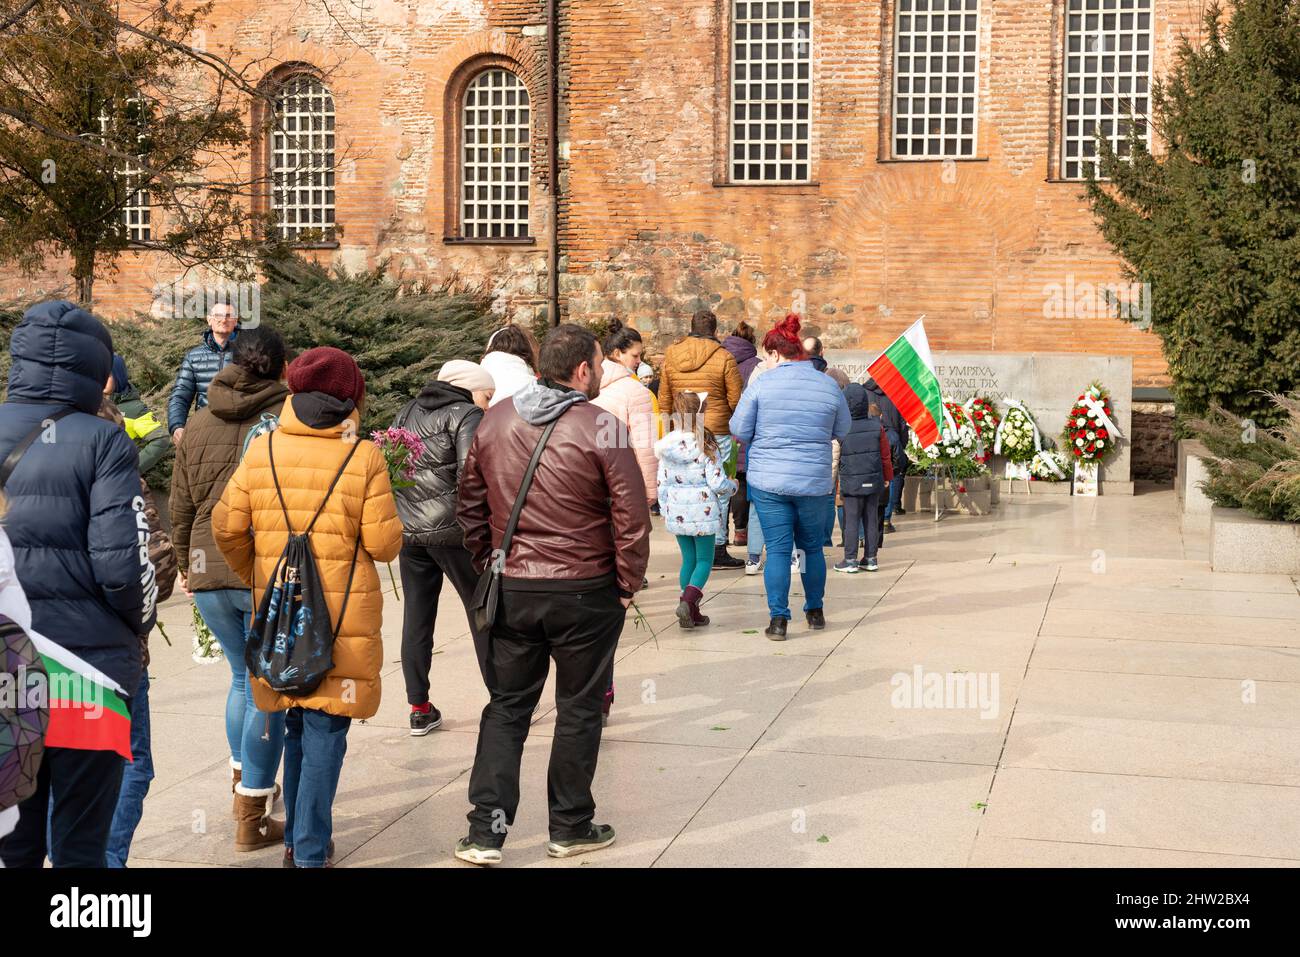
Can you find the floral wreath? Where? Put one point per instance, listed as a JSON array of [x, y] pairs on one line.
[[1090, 433], [956, 445], [1017, 439], [984, 418]]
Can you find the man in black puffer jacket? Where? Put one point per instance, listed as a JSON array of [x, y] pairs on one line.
[[200, 365], [444, 416], [80, 538]]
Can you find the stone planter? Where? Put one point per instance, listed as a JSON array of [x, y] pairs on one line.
[[1196, 505], [918, 493], [1239, 542], [1036, 487], [977, 499]]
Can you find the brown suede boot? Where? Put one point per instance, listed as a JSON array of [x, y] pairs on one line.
[[254, 828], [693, 597]]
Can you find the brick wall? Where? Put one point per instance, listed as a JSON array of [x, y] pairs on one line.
[[648, 228]]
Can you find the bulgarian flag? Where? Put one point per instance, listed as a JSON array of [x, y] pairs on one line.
[[905, 371], [87, 710]]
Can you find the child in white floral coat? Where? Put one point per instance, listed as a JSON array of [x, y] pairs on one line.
[[692, 481]]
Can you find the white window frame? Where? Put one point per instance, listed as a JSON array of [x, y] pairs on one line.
[[303, 166], [1083, 9], [135, 213], [487, 133], [896, 113], [793, 141]]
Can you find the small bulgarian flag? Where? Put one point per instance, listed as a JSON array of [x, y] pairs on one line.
[[905, 371], [87, 710]]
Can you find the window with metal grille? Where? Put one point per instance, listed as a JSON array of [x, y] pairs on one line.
[[936, 78], [1107, 80], [495, 168], [130, 126], [771, 91], [302, 160]]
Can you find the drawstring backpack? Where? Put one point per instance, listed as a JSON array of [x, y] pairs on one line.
[[290, 644]]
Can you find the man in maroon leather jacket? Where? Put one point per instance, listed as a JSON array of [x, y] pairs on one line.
[[578, 555]]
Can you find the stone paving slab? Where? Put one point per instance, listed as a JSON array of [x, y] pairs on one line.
[[1119, 692]]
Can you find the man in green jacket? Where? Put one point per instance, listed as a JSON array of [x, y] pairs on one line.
[[148, 434]]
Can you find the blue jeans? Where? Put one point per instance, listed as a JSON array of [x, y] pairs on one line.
[[828, 541], [724, 451], [789, 521], [895, 494], [314, 746], [135, 780], [755, 547], [256, 738]]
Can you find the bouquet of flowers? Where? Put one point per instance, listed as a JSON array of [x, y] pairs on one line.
[[1048, 465], [402, 448], [1017, 436], [1090, 432], [206, 649], [984, 418]]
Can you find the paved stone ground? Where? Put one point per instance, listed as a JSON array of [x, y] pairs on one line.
[[1148, 714]]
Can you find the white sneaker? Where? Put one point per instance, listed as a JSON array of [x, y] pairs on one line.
[[796, 560], [753, 567]]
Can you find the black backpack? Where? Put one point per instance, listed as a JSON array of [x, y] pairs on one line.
[[291, 644]]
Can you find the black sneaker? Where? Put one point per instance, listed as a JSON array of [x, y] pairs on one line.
[[900, 511], [423, 722], [889, 527], [775, 630], [598, 838], [723, 560], [816, 619]]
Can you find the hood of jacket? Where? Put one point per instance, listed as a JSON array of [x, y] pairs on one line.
[[678, 448], [437, 395], [818, 363], [61, 355], [236, 395], [692, 353], [742, 349], [858, 399], [316, 413], [541, 402]]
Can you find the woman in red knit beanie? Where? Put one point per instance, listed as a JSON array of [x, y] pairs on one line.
[[328, 370]]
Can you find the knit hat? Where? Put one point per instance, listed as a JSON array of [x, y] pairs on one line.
[[329, 370], [469, 376]]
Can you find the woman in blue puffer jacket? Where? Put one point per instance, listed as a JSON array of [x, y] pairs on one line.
[[787, 419], [693, 485]]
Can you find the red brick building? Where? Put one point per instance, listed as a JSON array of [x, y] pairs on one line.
[[863, 161]]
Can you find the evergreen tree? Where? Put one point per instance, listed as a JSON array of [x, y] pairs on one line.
[[1213, 224]]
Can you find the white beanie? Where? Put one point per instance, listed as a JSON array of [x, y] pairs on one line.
[[469, 376]]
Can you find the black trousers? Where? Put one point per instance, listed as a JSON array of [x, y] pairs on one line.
[[580, 631], [423, 570], [860, 510], [85, 786], [740, 504]]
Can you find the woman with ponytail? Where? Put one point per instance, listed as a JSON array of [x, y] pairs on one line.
[[787, 419]]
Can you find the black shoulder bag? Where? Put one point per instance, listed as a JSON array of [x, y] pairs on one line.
[[487, 594]]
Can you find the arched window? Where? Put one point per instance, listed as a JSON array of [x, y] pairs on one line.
[[495, 166], [302, 160]]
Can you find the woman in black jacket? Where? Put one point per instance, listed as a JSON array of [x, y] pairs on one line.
[[444, 416]]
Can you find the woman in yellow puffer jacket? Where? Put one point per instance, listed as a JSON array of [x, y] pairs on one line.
[[317, 427]]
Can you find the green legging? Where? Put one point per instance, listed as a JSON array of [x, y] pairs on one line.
[[697, 559]]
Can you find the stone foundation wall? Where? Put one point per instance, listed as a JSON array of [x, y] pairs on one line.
[[1154, 447]]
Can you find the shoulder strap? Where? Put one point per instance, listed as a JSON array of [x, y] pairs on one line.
[[25, 443], [508, 537], [270, 454]]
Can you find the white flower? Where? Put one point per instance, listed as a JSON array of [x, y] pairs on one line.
[[1101, 443], [1081, 421], [1091, 434], [1078, 442]]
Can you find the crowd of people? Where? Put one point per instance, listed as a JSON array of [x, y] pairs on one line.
[[536, 472]]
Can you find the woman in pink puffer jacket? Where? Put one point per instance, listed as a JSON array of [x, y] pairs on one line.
[[623, 396]]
